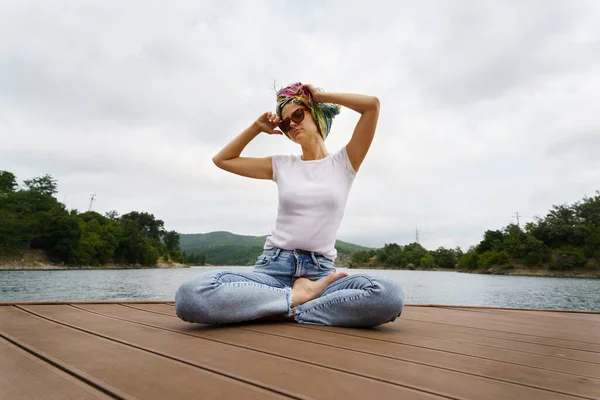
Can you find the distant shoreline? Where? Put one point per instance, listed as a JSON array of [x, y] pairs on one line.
[[36, 260], [55, 267], [537, 272], [39, 266]]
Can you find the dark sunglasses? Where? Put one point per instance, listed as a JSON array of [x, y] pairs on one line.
[[297, 116]]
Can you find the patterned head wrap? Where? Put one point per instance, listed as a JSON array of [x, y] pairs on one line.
[[322, 113]]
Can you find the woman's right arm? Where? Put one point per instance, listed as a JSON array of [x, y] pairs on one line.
[[229, 158]]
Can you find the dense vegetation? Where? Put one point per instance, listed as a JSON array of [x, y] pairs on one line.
[[31, 217], [225, 248], [566, 239]]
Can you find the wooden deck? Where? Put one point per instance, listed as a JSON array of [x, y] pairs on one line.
[[141, 350]]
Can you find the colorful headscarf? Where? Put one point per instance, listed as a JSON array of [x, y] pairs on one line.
[[322, 113]]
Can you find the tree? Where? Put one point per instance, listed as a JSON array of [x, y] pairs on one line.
[[535, 251], [171, 239], [562, 226], [32, 211], [8, 182], [427, 261], [150, 227], [492, 258], [62, 236], [469, 260], [567, 258], [150, 255], [514, 241], [132, 246], [11, 231], [45, 185], [445, 258], [100, 237], [114, 215], [458, 252], [492, 240], [389, 251], [360, 257], [413, 253], [588, 213]]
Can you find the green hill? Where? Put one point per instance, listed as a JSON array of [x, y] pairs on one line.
[[189, 241], [226, 248]]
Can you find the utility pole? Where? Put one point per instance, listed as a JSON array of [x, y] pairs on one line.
[[517, 214], [92, 198], [417, 234]]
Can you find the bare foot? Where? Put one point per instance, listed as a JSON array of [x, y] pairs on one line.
[[305, 290]]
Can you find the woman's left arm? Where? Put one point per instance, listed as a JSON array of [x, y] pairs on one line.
[[368, 107]]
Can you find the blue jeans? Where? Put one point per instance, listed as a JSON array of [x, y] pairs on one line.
[[221, 297]]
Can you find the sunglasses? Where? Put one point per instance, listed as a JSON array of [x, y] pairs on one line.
[[297, 116]]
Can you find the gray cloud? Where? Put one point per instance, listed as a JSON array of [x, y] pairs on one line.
[[583, 146], [488, 108]]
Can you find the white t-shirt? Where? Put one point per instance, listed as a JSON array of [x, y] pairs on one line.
[[312, 200]]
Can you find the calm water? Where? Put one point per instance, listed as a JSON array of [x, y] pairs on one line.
[[420, 287]]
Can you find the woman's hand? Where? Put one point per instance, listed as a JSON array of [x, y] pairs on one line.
[[267, 123], [310, 89]]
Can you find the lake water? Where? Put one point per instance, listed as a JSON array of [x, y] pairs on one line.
[[420, 287]]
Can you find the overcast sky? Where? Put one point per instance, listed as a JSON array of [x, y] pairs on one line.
[[488, 108]]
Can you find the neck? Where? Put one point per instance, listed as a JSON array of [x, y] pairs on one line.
[[314, 150]]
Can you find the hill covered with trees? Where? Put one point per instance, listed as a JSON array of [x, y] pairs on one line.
[[32, 218], [564, 242]]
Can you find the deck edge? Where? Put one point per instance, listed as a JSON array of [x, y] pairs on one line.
[[67, 302], [502, 308]]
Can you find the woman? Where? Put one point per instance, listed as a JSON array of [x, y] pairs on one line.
[[295, 277]]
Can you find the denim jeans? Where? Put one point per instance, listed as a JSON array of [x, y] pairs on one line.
[[221, 297]]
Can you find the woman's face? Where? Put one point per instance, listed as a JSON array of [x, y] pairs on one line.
[[303, 130]]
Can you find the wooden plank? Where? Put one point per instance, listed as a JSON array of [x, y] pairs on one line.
[[166, 308], [593, 318], [496, 308], [384, 367], [63, 302], [24, 376], [501, 323], [565, 382], [556, 360], [475, 336], [538, 318], [514, 320], [270, 371], [440, 325], [124, 371], [548, 319]]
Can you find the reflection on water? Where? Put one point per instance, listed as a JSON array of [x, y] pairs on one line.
[[420, 287]]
